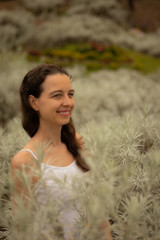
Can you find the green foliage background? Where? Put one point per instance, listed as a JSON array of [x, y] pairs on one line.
[[116, 80]]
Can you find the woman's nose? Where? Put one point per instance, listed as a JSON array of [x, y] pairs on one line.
[[67, 101]]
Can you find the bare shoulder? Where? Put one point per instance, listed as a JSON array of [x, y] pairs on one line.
[[22, 158], [80, 140], [23, 161]]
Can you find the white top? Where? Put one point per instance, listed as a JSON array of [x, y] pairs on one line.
[[57, 184]]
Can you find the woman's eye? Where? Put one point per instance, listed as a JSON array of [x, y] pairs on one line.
[[57, 95], [71, 94]]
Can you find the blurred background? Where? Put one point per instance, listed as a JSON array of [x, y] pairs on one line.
[[112, 50], [110, 46]]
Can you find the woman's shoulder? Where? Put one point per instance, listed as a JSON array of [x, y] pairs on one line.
[[78, 136], [80, 140], [23, 161], [21, 158]]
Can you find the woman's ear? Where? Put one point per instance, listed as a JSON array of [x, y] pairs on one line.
[[33, 102]]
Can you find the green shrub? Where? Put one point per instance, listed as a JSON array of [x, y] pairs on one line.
[[96, 56]]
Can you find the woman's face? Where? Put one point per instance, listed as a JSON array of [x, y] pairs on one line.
[[56, 102]]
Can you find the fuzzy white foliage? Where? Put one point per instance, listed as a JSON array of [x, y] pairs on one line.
[[82, 21], [146, 42], [10, 145], [60, 30], [108, 9], [85, 27], [42, 6], [15, 28], [123, 183], [113, 93], [13, 67], [155, 76], [82, 27]]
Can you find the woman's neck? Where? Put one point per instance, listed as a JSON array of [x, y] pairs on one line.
[[48, 135]]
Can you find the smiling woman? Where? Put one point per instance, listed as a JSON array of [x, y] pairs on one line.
[[47, 100]]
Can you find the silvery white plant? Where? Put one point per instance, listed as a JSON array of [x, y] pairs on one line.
[[91, 28], [13, 67], [16, 27], [113, 93], [123, 184], [21, 29], [107, 9], [40, 6]]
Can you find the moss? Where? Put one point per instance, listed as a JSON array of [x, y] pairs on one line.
[[32, 58], [94, 66], [95, 56], [143, 62]]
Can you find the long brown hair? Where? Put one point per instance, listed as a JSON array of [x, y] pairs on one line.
[[32, 85]]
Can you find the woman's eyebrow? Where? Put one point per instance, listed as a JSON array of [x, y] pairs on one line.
[[59, 91], [56, 91]]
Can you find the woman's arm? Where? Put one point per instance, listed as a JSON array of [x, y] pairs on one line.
[[23, 176], [105, 226]]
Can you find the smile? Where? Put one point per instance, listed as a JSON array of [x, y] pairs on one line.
[[64, 113]]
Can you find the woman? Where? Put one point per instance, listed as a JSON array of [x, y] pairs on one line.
[[47, 100]]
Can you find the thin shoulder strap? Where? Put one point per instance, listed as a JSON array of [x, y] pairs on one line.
[[28, 150]]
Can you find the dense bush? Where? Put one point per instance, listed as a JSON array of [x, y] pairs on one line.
[[15, 28], [102, 21], [40, 6], [123, 184], [13, 67], [111, 9], [110, 94], [108, 9], [57, 30]]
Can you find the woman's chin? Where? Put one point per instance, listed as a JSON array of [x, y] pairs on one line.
[[64, 121]]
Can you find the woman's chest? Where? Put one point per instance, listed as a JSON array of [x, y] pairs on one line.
[[58, 183], [59, 157]]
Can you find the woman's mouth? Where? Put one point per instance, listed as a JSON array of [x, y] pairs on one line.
[[64, 112]]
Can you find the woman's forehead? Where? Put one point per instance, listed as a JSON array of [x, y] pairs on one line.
[[56, 81]]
